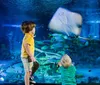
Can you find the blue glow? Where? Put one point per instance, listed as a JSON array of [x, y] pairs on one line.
[[10, 25], [1, 79], [93, 21]]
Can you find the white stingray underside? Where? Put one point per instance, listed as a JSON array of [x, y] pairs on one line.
[[65, 21]]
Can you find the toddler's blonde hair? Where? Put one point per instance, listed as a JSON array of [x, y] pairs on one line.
[[66, 61]]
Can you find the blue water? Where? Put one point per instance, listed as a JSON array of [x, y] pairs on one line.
[[84, 50]]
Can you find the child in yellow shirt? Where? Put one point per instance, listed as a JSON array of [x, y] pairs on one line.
[[27, 51]]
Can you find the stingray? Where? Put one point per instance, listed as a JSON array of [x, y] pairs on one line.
[[66, 22]]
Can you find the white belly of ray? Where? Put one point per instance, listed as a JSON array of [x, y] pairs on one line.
[[65, 21]]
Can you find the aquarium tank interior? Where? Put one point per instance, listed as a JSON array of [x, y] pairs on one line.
[[62, 27]]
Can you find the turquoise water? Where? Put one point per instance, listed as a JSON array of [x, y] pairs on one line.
[[84, 56]]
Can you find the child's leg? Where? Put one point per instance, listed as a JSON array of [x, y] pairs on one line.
[[33, 67], [26, 78], [26, 69]]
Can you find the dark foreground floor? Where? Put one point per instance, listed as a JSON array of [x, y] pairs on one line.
[[45, 84]]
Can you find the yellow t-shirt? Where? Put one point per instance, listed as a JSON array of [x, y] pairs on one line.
[[28, 38]]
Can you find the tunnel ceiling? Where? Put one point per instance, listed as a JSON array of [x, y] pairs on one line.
[[14, 11], [23, 9]]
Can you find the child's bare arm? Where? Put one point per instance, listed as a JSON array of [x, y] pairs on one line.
[[26, 45]]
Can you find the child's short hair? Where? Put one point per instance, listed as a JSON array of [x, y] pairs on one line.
[[27, 26]]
